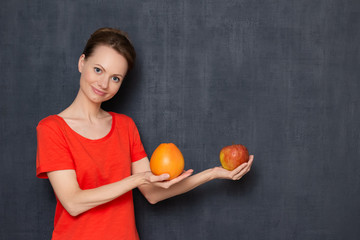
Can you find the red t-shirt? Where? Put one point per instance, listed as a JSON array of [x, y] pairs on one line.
[[96, 162]]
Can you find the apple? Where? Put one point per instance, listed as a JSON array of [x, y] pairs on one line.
[[233, 156]]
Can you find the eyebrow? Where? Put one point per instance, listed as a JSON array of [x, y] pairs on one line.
[[116, 74]]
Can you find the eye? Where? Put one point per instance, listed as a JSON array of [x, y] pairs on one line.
[[97, 70], [116, 79]]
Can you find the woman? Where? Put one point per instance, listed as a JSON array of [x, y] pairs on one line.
[[94, 158]]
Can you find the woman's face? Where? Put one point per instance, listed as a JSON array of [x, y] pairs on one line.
[[102, 73]]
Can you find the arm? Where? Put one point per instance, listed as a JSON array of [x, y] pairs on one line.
[[77, 201], [157, 191]]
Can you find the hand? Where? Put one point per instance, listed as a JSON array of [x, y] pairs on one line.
[[161, 180], [235, 174]]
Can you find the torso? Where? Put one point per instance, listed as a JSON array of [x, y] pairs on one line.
[[95, 129], [97, 163]]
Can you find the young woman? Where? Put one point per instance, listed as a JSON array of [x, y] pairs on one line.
[[94, 158]]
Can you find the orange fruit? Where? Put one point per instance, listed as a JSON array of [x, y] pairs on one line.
[[167, 158]]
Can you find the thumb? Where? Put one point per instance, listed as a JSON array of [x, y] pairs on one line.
[[163, 177]]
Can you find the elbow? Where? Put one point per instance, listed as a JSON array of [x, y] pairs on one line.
[[150, 195], [73, 213], [72, 209], [151, 198], [152, 201]]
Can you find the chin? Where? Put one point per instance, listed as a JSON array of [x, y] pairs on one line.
[[101, 99]]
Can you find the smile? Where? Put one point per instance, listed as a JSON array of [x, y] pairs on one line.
[[98, 92]]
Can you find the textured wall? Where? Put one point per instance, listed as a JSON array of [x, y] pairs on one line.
[[281, 77]]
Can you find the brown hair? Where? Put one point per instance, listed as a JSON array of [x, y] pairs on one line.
[[114, 38]]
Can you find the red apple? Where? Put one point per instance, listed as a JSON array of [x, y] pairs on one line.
[[233, 156]]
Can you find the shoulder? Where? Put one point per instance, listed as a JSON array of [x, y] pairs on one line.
[[122, 118], [52, 121], [124, 121]]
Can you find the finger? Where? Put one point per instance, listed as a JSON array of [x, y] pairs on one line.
[[251, 159], [188, 172], [250, 162], [168, 184], [160, 178], [241, 171], [179, 178], [241, 174], [182, 176], [239, 168]]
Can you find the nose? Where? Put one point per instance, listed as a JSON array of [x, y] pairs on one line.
[[103, 82]]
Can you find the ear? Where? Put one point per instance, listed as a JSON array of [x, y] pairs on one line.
[[81, 62]]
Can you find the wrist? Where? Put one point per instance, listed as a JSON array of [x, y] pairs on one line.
[[209, 174], [215, 173], [139, 179]]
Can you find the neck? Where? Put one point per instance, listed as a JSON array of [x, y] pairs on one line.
[[82, 107]]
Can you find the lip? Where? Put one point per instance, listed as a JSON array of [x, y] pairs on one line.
[[98, 92]]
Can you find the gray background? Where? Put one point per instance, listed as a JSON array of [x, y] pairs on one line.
[[281, 77]]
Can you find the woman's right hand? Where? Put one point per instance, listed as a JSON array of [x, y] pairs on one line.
[[161, 180]]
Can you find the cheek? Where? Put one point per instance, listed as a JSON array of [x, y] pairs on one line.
[[86, 76], [115, 88]]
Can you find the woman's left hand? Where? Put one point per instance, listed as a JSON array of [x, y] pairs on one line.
[[235, 174]]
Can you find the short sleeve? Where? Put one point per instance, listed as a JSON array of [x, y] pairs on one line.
[[137, 148], [52, 151]]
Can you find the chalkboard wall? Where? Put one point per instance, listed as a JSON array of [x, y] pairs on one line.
[[281, 77]]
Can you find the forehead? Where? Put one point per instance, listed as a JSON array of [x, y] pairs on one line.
[[108, 58]]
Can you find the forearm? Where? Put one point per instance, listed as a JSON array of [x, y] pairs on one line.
[[87, 199], [155, 194], [77, 201]]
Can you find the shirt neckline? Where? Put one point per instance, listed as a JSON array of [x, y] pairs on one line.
[[89, 139]]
